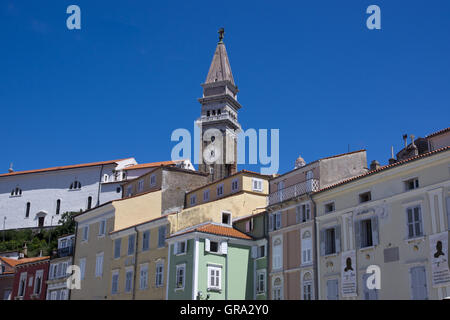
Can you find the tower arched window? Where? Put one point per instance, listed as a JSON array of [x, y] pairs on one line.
[[58, 206], [89, 206], [76, 185], [16, 192], [27, 212]]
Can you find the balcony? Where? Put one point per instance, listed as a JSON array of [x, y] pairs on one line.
[[220, 117], [65, 252], [293, 191]]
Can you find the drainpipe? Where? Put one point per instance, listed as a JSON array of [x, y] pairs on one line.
[[315, 252], [135, 263]]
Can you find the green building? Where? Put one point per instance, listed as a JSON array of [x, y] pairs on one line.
[[214, 261]]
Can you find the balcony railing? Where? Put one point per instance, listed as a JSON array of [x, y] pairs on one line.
[[293, 191], [223, 116], [64, 252]]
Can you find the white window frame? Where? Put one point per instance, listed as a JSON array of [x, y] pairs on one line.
[[127, 272], [277, 220], [143, 280], [117, 248], [260, 273], [102, 228], [159, 274], [131, 236], [193, 199], [276, 289], [177, 247], [414, 222], [213, 286], [257, 185], [306, 245], [22, 284], [277, 257], [85, 237], [99, 265], [146, 248], [416, 184], [234, 185], [183, 279], [230, 218], [115, 280], [327, 204]]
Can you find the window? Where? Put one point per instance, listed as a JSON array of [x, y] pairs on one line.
[[414, 220], [180, 276], [17, 192], [365, 197], [105, 178], [115, 282], [143, 280], [128, 280], [89, 203], [418, 283], [38, 282], [141, 185], [329, 207], [22, 284], [102, 228], [257, 185], [306, 247], [146, 240], [220, 190], [249, 225], [258, 251], [99, 265], [27, 212], [277, 291], [411, 184], [180, 247], [277, 253], [161, 236], [117, 245], [85, 233], [234, 185], [260, 282], [129, 191], [214, 246], [153, 180], [118, 190], [193, 199], [214, 278], [58, 206], [131, 244], [41, 221], [82, 263], [303, 213], [226, 218], [307, 286], [332, 289], [159, 281], [277, 220], [206, 195], [76, 185], [330, 240], [366, 232], [271, 222]]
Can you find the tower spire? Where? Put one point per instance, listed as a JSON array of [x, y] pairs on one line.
[[220, 69]]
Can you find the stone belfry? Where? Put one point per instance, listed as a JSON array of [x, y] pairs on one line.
[[218, 123]]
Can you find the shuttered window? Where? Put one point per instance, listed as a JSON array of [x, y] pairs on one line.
[[418, 283], [332, 289], [161, 236], [117, 244], [414, 222]]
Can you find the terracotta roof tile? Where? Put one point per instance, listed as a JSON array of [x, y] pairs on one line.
[[383, 168], [17, 262], [438, 132], [217, 230], [92, 164]]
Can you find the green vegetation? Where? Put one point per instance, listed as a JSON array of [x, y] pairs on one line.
[[37, 240]]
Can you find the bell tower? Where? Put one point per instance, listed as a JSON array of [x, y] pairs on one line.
[[218, 122]]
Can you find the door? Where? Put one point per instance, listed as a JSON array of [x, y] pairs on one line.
[[368, 294], [332, 289], [418, 283]]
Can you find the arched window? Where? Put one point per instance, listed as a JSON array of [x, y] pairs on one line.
[[16, 192], [89, 206], [76, 185], [277, 290], [307, 286], [27, 212], [277, 253], [58, 206]]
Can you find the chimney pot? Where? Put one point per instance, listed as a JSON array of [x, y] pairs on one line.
[[374, 165]]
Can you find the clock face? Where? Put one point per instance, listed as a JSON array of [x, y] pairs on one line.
[[211, 154]]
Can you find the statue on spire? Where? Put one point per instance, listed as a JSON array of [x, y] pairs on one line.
[[221, 33]]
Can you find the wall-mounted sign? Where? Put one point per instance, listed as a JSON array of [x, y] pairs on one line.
[[440, 273], [348, 274]]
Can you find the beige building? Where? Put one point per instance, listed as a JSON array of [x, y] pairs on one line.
[[292, 260], [394, 220]]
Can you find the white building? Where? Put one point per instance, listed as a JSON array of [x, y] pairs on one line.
[[37, 198]]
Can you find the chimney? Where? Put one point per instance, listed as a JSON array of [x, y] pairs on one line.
[[405, 138], [374, 165], [392, 159], [412, 140], [25, 250], [11, 170]]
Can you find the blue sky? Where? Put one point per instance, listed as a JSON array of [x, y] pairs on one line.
[[119, 86]]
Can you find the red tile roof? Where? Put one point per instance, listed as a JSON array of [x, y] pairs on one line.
[[92, 164], [17, 262], [219, 230], [438, 132], [384, 168]]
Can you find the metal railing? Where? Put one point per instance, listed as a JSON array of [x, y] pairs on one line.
[[293, 191], [64, 252], [222, 116]]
